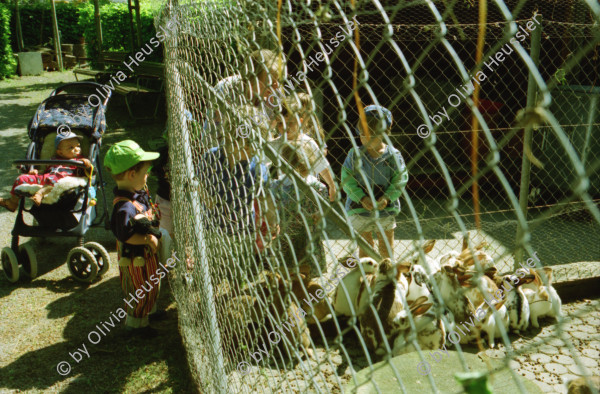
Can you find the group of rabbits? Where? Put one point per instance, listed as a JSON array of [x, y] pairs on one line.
[[427, 301], [473, 302]]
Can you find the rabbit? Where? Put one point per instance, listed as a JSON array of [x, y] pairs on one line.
[[304, 288], [385, 306], [460, 295], [491, 321], [430, 266], [466, 257], [352, 286], [516, 300], [449, 259], [431, 333], [452, 294], [543, 300], [491, 324]]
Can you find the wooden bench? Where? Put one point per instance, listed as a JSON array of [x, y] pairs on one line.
[[146, 79], [110, 59], [149, 80]]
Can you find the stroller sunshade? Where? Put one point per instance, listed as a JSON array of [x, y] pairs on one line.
[[73, 113]]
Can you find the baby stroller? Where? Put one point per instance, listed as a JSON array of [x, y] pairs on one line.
[[69, 212]]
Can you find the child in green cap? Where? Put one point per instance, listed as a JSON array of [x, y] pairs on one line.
[[135, 225]]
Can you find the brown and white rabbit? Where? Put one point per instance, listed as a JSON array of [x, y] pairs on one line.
[[431, 332], [303, 289], [387, 290], [516, 300], [495, 301], [543, 300], [352, 286], [452, 294]]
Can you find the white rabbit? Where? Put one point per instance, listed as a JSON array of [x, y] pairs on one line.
[[543, 300], [491, 324], [355, 284], [429, 265]]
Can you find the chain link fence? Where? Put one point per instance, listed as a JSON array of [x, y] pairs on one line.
[[495, 112]]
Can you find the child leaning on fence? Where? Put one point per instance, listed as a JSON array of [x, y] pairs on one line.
[[300, 219], [257, 79], [293, 130], [231, 178], [379, 168], [135, 225]]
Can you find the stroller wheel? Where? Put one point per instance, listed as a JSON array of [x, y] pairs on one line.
[[101, 255], [82, 264], [10, 265], [28, 260]]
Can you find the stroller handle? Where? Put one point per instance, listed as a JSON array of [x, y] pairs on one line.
[[76, 163]]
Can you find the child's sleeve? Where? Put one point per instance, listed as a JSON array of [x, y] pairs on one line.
[[122, 226], [349, 182], [399, 178]]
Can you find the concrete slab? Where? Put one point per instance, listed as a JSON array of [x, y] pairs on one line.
[[30, 63], [381, 377]]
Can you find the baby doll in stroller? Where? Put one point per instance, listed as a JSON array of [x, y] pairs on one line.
[[68, 147]]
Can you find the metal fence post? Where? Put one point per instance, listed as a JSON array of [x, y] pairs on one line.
[[215, 354], [527, 139]]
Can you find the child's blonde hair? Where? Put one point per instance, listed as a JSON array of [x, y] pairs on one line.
[[259, 61]]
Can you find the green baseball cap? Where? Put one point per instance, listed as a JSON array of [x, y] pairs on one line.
[[125, 154]]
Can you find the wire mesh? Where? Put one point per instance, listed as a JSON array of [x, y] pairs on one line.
[[500, 154]]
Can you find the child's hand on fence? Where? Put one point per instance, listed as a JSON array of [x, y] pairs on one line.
[[382, 203], [366, 203], [152, 241]]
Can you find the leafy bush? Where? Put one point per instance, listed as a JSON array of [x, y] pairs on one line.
[[7, 60], [115, 29], [36, 23]]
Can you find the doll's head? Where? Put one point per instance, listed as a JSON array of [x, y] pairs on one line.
[[67, 145]]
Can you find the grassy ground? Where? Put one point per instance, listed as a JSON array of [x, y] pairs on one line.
[[44, 320]]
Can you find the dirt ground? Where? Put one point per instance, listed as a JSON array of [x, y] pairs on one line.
[[44, 320]]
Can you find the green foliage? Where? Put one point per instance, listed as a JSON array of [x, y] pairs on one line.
[[115, 29], [36, 23], [7, 60]]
